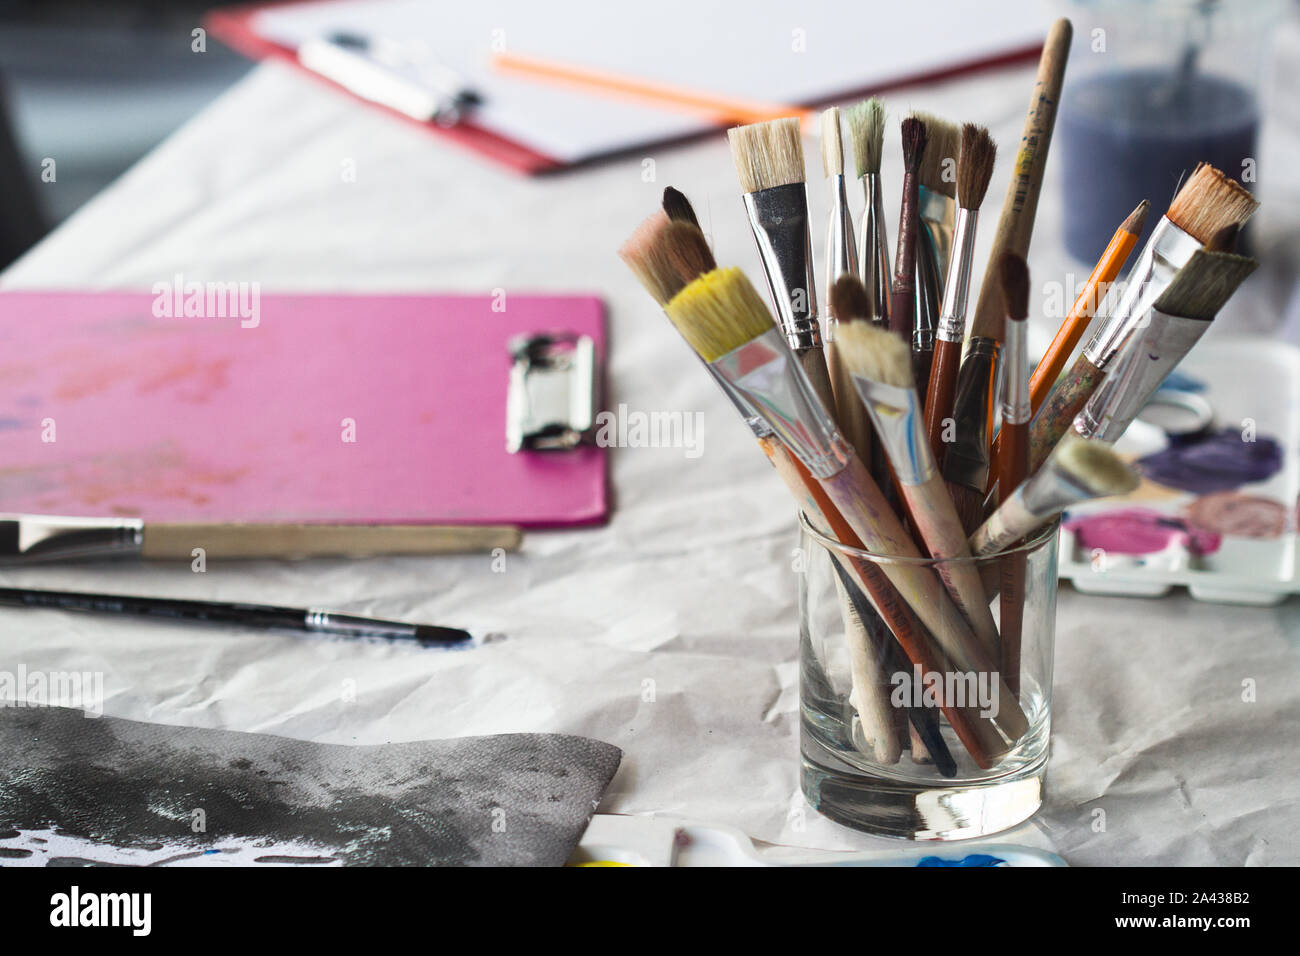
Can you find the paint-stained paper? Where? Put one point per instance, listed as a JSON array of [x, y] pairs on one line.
[[78, 790]]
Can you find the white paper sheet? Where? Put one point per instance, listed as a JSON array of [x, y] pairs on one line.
[[775, 51]]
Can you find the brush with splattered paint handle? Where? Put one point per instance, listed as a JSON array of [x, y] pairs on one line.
[[966, 464]]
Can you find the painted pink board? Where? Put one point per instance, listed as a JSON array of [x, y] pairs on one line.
[[204, 419]]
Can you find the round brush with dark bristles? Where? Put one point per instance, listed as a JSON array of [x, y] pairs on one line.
[[936, 212], [974, 169], [678, 208], [849, 303], [902, 293]]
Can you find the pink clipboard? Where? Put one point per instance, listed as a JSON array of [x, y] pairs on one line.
[[321, 408]]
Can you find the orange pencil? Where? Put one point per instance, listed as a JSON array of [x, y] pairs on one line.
[[720, 108], [1076, 323]]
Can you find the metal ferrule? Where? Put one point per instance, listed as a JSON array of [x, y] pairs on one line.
[[1015, 373], [1158, 345], [956, 291], [349, 624], [936, 214], [757, 424], [779, 218], [31, 538], [896, 414], [1167, 251], [967, 459], [841, 250], [873, 249], [769, 378]]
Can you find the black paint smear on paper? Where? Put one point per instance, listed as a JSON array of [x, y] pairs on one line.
[[128, 784]]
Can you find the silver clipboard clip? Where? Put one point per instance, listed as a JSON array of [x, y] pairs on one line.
[[551, 403]]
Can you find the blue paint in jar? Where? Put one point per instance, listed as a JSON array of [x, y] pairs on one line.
[[1136, 135]]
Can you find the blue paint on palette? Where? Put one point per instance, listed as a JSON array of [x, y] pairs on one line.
[[974, 859], [1182, 382]]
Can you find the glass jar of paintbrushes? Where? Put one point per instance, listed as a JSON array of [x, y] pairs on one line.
[[925, 729]]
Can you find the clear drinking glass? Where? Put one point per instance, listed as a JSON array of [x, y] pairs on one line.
[[865, 703]]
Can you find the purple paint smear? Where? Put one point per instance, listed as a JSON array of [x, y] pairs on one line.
[[1219, 461], [1139, 531]]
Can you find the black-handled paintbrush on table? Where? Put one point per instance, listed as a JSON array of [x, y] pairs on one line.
[[257, 616]]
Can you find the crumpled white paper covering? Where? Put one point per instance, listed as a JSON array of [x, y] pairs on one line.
[[672, 632]]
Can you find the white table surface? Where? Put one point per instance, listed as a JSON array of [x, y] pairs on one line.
[[689, 585]]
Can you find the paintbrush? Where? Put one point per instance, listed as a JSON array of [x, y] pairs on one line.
[[966, 462], [255, 616], [1177, 321], [841, 259], [1208, 203], [936, 209], [879, 365], [902, 293], [1076, 323], [841, 250], [770, 166], [666, 255], [974, 169], [867, 131], [1078, 470], [1013, 463], [723, 319], [27, 539]]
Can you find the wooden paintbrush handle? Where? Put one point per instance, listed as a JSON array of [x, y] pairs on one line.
[[901, 302], [1016, 223], [1012, 469], [1065, 401], [239, 541], [932, 511], [869, 682], [922, 362], [1013, 462], [1011, 609], [859, 500], [977, 734], [813, 361], [939, 396]]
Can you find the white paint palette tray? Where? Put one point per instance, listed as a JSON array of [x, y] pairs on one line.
[[1217, 508]]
